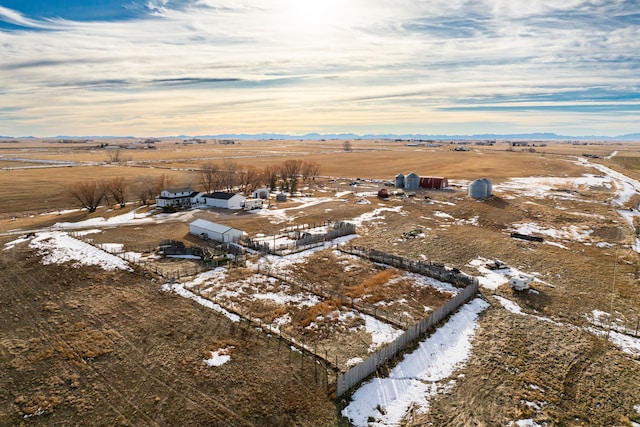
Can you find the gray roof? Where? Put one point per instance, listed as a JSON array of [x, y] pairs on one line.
[[212, 226]]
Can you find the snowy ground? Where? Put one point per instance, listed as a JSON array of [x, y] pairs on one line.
[[419, 376]]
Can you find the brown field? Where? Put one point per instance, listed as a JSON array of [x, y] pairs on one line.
[[102, 348]]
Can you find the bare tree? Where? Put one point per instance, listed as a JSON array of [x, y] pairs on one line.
[[210, 174], [88, 194], [309, 171], [115, 156], [116, 188], [161, 182], [270, 176], [249, 179], [290, 171], [145, 190], [150, 187], [230, 177]]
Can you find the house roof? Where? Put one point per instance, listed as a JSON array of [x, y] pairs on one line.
[[193, 194], [220, 195]]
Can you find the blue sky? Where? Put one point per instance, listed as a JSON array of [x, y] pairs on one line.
[[165, 67]]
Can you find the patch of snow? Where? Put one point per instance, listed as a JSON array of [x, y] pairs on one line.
[[442, 215], [354, 361], [536, 387], [127, 218], [490, 279], [415, 379], [571, 232], [374, 215], [381, 332], [525, 423], [604, 245], [509, 305], [179, 289], [13, 243], [219, 357], [559, 245], [58, 248], [87, 232]]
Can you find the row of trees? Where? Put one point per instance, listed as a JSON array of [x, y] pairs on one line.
[[225, 176], [229, 176], [91, 194]]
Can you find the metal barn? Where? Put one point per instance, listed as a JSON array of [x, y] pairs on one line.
[[433, 182], [218, 232]]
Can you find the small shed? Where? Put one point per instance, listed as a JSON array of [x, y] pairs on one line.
[[412, 181], [520, 282], [400, 181], [218, 232], [224, 200], [261, 193], [281, 197], [434, 182]]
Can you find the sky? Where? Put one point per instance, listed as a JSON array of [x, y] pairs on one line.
[[207, 67]]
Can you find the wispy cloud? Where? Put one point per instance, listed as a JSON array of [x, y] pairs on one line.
[[408, 66]]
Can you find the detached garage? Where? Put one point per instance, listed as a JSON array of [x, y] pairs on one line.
[[218, 232], [224, 200]]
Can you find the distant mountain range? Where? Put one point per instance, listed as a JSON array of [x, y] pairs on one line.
[[318, 136]]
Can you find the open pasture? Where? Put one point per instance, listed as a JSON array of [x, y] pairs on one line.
[[543, 355]]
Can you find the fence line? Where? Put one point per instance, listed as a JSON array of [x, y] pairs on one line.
[[356, 374], [346, 301], [431, 269], [301, 240]]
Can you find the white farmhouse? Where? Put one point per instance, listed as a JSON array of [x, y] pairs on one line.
[[218, 232], [224, 200], [177, 197]]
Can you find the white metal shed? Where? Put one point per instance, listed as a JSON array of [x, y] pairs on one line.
[[218, 232]]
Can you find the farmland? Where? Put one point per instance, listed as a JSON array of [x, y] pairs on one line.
[[102, 346]]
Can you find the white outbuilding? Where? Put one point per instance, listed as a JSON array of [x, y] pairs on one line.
[[520, 282], [213, 231], [224, 200]]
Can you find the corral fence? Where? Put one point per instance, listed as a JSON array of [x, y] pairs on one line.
[[167, 270], [470, 286], [322, 365], [346, 301], [431, 269], [302, 238], [356, 374]]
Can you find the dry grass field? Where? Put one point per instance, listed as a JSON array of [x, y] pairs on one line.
[[85, 346]]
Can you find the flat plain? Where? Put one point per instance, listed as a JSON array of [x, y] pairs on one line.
[[81, 345]]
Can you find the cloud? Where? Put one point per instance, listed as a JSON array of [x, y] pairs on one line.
[[409, 65]]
